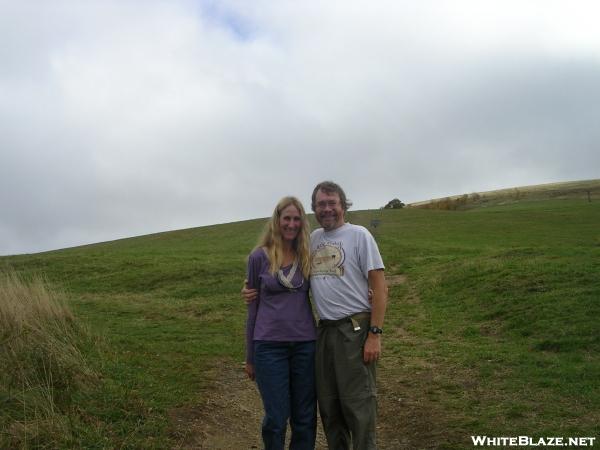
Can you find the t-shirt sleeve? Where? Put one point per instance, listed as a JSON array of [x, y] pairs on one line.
[[369, 256]]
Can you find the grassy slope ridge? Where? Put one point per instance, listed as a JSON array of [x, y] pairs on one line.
[[505, 321], [583, 189]]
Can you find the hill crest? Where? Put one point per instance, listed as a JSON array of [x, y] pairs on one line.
[[584, 189]]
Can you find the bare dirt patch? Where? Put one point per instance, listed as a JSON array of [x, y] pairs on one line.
[[228, 417], [394, 280]]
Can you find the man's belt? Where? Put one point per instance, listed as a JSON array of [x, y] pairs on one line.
[[354, 318]]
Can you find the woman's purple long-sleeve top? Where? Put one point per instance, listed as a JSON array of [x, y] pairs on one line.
[[278, 314]]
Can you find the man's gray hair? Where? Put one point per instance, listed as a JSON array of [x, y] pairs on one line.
[[330, 187]]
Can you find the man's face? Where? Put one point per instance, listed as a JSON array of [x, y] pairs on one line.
[[328, 210]]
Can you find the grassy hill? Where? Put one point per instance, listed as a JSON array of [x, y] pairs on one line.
[[494, 332], [585, 189]]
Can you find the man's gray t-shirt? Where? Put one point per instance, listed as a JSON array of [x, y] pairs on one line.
[[340, 263]]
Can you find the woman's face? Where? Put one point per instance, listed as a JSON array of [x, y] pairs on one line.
[[290, 223]]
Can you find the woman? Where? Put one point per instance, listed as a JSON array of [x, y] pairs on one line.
[[280, 330]]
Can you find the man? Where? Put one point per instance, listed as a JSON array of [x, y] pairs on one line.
[[345, 263]]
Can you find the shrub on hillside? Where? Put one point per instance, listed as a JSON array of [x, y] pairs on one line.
[[394, 204], [42, 363]]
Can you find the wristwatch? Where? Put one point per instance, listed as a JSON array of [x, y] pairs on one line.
[[375, 330]]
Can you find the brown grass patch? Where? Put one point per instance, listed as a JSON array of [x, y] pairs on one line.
[[41, 361]]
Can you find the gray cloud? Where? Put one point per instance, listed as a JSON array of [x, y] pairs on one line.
[[126, 118]]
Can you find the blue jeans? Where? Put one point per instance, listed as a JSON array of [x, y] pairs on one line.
[[285, 374]]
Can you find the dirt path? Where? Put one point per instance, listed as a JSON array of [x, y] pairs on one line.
[[229, 418]]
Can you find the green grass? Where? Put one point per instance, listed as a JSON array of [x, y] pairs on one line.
[[503, 302], [165, 306], [510, 298]]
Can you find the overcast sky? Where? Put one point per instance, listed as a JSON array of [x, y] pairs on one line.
[[120, 118]]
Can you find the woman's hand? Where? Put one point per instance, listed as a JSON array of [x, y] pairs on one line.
[[249, 369], [248, 295]]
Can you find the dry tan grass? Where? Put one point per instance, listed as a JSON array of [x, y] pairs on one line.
[[41, 359], [30, 306]]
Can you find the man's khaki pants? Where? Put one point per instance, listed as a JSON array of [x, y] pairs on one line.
[[346, 388]]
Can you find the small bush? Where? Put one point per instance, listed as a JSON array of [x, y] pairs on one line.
[[394, 204], [42, 364]]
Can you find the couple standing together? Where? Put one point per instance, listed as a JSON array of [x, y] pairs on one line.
[[295, 363]]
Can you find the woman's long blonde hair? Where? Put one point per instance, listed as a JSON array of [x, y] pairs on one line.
[[272, 241]]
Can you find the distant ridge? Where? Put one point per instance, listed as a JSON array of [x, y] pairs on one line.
[[584, 189]]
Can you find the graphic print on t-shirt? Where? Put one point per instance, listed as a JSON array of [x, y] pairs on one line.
[[328, 259]]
